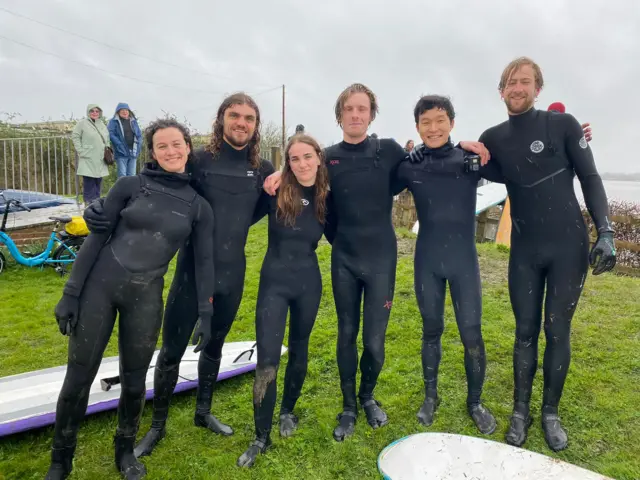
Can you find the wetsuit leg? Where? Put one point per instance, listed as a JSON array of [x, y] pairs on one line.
[[378, 298], [526, 290], [466, 296], [180, 317], [430, 291], [347, 294], [226, 304], [271, 321], [304, 310], [96, 319], [140, 307]]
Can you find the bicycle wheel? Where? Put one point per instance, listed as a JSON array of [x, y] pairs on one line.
[[62, 253], [2, 262]]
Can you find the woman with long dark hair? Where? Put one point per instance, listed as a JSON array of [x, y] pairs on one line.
[[151, 215], [290, 281]]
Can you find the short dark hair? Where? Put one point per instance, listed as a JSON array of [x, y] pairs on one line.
[[429, 102]]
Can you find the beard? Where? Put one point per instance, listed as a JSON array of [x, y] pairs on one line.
[[236, 143], [526, 105]]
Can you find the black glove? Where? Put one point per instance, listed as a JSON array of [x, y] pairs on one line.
[[603, 254], [202, 333], [95, 218], [66, 313], [417, 154]]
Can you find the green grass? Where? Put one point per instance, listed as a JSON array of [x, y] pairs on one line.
[[599, 408]]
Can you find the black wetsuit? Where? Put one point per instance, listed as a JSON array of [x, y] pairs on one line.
[[539, 153], [363, 257], [233, 188], [444, 193], [121, 271], [290, 282]]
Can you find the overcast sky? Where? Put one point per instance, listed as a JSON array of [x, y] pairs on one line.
[[401, 49]]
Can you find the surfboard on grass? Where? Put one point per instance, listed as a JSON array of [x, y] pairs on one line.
[[446, 456], [28, 400], [487, 196]]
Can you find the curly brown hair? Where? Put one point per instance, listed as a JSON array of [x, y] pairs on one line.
[[350, 90], [215, 144], [161, 124], [514, 66], [290, 191]]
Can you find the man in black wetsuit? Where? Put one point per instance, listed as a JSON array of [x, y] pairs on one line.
[[229, 174], [538, 153], [364, 252], [443, 179]]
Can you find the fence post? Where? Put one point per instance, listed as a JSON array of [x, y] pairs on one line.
[[276, 156]]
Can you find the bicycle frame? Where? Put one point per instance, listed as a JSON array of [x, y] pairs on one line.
[[40, 259]]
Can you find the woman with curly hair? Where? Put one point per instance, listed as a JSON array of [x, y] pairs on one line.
[[121, 271]]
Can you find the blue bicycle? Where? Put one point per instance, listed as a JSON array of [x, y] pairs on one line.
[[66, 245]]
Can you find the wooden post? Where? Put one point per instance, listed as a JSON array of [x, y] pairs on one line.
[[276, 157]]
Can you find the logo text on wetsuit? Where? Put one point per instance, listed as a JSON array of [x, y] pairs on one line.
[[583, 143], [249, 173], [334, 162]]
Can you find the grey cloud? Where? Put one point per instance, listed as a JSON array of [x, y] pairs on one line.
[[400, 49]]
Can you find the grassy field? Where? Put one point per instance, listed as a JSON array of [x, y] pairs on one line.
[[599, 408]]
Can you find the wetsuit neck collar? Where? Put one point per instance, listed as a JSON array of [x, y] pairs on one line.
[[355, 146], [442, 151], [308, 192], [155, 171], [524, 118], [227, 151]]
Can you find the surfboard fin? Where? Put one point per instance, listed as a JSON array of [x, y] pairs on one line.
[[107, 383], [251, 351]]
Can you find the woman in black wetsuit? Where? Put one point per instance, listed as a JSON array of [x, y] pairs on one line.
[[121, 270], [290, 281]]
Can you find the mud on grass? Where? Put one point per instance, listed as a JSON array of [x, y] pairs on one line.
[[599, 408]]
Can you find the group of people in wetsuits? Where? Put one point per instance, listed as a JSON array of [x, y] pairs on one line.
[[203, 203]]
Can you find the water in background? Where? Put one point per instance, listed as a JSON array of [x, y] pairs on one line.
[[616, 190]]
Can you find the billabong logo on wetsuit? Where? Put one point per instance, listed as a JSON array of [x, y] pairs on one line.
[[583, 143], [249, 173], [305, 202], [537, 146]]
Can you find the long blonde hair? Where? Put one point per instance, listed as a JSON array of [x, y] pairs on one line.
[[290, 191]]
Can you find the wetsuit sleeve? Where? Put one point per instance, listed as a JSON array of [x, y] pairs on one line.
[[264, 202], [491, 171], [399, 179], [399, 156], [581, 157], [202, 241], [116, 200], [330, 220]]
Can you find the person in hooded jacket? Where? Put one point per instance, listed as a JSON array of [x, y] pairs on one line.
[[89, 138], [126, 139]]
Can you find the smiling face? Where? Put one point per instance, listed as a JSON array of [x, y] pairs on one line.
[[434, 127], [304, 162], [94, 113], [239, 125], [520, 90], [356, 116], [170, 150]]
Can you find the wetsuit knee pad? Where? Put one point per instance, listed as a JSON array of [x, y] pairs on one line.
[[78, 377], [168, 358], [134, 382], [432, 331], [526, 331], [471, 336]]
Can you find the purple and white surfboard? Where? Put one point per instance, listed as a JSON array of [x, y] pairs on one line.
[[28, 400]]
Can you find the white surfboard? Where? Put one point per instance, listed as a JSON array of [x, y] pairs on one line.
[[445, 456], [487, 196], [28, 400]]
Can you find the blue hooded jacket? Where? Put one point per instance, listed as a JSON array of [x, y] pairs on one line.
[[116, 133]]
